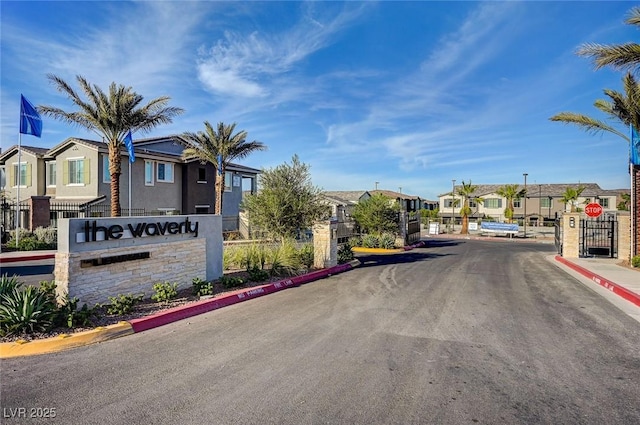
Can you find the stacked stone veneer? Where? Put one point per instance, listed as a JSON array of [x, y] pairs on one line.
[[571, 236], [325, 244], [177, 262], [177, 255]]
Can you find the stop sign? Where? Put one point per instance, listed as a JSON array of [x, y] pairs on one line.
[[593, 210]]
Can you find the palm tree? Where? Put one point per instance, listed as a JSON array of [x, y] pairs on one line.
[[510, 192], [111, 116], [620, 56], [219, 148], [570, 196], [465, 192], [623, 205], [623, 108]]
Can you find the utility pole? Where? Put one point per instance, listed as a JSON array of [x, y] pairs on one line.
[[524, 219], [453, 203]]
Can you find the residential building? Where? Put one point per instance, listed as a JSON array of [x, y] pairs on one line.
[[542, 202], [75, 173]]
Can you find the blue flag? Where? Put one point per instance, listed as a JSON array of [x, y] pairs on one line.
[[30, 121], [128, 142], [634, 146]]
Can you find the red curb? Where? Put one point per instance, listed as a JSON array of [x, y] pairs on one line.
[[204, 306], [27, 258], [606, 283]]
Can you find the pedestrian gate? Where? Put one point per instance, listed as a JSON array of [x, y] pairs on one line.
[[599, 237]]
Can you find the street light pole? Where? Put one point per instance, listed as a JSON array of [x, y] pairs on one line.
[[524, 218], [453, 203]]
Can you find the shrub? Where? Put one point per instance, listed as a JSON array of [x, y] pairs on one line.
[[26, 311], [69, 315], [355, 241], [370, 241], [230, 281], [123, 304], [345, 254], [164, 292], [47, 235], [201, 287], [387, 241], [8, 284], [635, 261], [258, 275], [284, 259], [305, 255]]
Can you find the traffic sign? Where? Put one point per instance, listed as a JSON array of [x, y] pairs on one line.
[[593, 210]]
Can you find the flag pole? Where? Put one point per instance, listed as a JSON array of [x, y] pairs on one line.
[[17, 218], [129, 187]]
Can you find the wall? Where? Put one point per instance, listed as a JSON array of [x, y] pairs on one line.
[[106, 266]]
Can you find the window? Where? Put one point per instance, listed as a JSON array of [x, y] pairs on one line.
[[448, 203], [106, 175], [545, 202], [493, 203], [228, 177], [50, 173], [202, 175], [472, 203], [148, 173], [20, 174], [165, 172], [76, 171], [517, 203], [604, 202]]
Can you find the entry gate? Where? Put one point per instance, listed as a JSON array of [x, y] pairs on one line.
[[599, 237]]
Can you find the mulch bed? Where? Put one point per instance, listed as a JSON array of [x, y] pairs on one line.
[[146, 307]]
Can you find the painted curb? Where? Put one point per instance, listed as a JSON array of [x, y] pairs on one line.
[[606, 283], [26, 258], [363, 250], [100, 334], [182, 312], [64, 341]]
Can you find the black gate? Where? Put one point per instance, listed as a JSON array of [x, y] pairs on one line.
[[558, 236], [599, 237]]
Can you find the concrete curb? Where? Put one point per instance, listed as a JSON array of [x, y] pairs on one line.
[[363, 250], [64, 342], [67, 341], [606, 283], [4, 260]]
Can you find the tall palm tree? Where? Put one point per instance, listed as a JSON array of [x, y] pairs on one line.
[[620, 56], [111, 116], [570, 196], [465, 191], [219, 148], [621, 108], [510, 192]]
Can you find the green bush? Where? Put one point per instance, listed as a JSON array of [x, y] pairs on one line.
[[355, 241], [305, 255], [69, 315], [345, 254], [201, 287], [26, 311], [387, 241], [370, 241], [164, 292], [47, 235], [8, 284], [230, 281], [41, 238], [258, 275], [123, 304], [635, 261]]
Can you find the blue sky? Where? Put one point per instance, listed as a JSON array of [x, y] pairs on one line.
[[407, 94]]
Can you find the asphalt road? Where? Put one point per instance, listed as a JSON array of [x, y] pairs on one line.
[[458, 332]]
